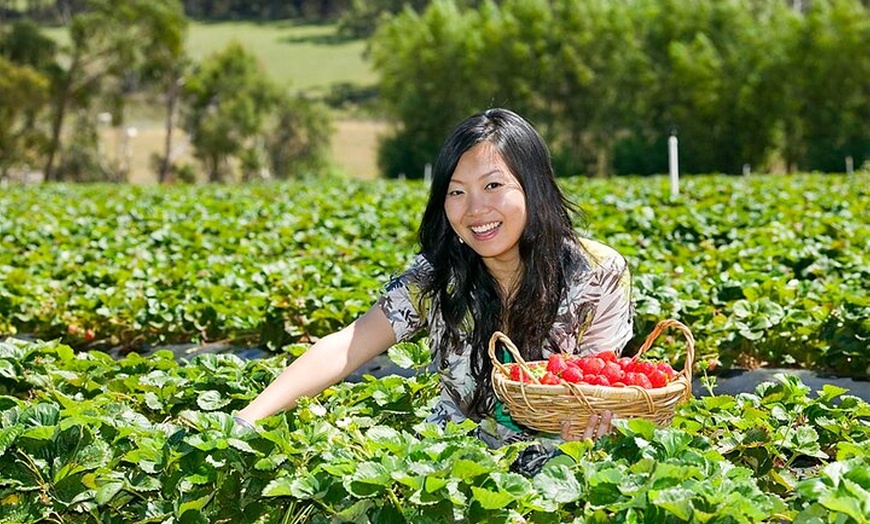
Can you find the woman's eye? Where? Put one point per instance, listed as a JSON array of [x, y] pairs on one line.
[[493, 185], [454, 192]]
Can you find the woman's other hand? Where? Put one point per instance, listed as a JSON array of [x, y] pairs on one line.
[[599, 425]]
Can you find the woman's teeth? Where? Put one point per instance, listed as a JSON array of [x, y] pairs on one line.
[[479, 230]]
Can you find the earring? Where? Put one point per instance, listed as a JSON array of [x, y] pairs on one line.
[[460, 239]]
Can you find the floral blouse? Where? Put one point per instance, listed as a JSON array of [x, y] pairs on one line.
[[594, 315]]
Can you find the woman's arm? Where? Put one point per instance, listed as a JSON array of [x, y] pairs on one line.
[[328, 361]]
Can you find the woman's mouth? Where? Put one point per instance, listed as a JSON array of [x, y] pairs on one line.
[[485, 231]]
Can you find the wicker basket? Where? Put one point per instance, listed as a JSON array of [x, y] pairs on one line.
[[546, 407]]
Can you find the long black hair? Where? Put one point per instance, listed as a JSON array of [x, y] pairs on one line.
[[461, 287]]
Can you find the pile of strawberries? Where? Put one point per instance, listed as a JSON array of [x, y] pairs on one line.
[[602, 369]]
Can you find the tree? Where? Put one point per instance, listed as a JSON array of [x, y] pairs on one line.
[[227, 100], [362, 17], [164, 61], [106, 43], [429, 82], [595, 84], [26, 64], [237, 117], [297, 138], [712, 79], [828, 87], [24, 93]]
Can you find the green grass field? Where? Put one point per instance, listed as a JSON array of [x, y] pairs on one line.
[[303, 57]]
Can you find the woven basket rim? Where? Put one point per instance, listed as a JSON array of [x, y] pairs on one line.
[[677, 385], [570, 401]]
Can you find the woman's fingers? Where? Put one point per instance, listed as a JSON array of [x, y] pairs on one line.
[[591, 431], [605, 422], [599, 424], [566, 430]]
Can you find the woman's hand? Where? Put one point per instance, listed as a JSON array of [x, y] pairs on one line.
[[599, 425]]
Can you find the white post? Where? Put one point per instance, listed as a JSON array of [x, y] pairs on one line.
[[746, 170], [850, 165], [427, 174], [673, 163], [129, 134]]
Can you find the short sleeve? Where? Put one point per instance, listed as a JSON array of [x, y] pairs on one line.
[[611, 326], [402, 301]]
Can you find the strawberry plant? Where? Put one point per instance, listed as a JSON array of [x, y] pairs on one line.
[[765, 270], [85, 438]]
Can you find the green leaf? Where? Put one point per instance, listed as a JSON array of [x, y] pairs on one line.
[[195, 505], [281, 487], [43, 414], [8, 436], [212, 401], [490, 499], [675, 500], [464, 469], [384, 437], [513, 483], [369, 479], [830, 392], [7, 370], [270, 462], [108, 491], [848, 499], [409, 355], [241, 445], [558, 483]]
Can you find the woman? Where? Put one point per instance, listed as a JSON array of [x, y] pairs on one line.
[[498, 252]]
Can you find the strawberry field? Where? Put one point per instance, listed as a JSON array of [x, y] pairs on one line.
[[766, 271]]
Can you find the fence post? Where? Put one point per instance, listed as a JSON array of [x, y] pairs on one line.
[[673, 164]]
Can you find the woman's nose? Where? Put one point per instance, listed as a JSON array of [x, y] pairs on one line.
[[477, 203]]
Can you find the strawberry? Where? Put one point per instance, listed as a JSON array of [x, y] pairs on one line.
[[644, 366], [597, 380], [613, 372], [607, 356], [666, 369], [572, 374], [518, 374], [591, 365], [658, 378], [644, 381], [556, 364], [550, 379], [638, 379], [626, 363]]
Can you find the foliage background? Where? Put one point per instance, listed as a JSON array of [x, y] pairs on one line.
[[746, 84]]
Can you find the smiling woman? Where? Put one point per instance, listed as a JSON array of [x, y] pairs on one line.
[[486, 207], [498, 252]]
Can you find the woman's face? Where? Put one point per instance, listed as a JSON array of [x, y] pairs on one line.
[[486, 207]]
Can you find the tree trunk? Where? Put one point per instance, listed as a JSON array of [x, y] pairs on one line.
[[61, 102], [171, 102], [602, 162]]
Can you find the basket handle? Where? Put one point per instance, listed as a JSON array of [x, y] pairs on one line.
[[690, 348], [515, 353], [650, 339]]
